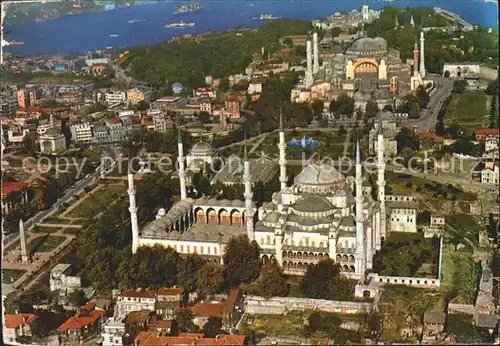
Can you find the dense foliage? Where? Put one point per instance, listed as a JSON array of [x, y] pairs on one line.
[[272, 282], [219, 55], [403, 254], [241, 261], [321, 324], [323, 281]]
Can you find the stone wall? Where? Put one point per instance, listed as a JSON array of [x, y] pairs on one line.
[[407, 281], [280, 305], [461, 309]]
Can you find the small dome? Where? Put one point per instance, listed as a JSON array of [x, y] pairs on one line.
[[162, 212], [201, 148], [319, 175], [272, 217], [312, 204], [385, 115]]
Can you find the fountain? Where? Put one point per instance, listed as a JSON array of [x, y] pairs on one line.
[[303, 143]]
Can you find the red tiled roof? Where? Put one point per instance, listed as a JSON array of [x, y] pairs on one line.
[[8, 186], [163, 324], [114, 121], [169, 291], [152, 339], [204, 89], [138, 294], [207, 310], [88, 307], [135, 118], [14, 321], [78, 321], [191, 335], [486, 131]]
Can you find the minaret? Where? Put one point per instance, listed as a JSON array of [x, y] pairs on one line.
[[180, 160], [282, 160], [248, 194], [315, 52], [364, 11], [360, 259], [396, 22], [309, 71], [412, 22], [422, 53], [22, 240], [415, 60], [133, 212], [381, 179]]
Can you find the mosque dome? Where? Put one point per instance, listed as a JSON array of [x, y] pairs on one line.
[[319, 175], [312, 204], [384, 115], [367, 46], [201, 148]]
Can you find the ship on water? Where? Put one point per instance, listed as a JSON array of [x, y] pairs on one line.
[[113, 35], [135, 20], [194, 7], [266, 16], [181, 24]]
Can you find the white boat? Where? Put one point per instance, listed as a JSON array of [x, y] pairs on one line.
[[266, 16], [113, 35], [135, 20], [181, 24]]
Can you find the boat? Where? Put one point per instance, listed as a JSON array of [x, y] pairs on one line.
[[113, 35], [181, 24], [266, 16], [135, 20], [194, 7]]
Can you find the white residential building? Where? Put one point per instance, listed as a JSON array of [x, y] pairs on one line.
[[115, 97], [131, 300], [491, 144], [113, 332], [81, 132], [490, 173], [52, 141], [116, 133]]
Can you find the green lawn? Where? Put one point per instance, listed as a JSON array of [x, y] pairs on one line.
[[277, 325], [466, 226], [38, 229], [97, 202], [11, 275], [468, 110], [398, 183], [459, 275], [45, 243]]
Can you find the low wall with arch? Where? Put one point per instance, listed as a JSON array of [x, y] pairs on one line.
[[280, 305], [407, 281]]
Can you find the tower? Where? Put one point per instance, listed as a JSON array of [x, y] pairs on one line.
[[133, 212], [22, 240], [412, 22], [248, 194], [396, 22], [282, 147], [180, 160], [315, 52], [422, 53], [360, 259], [415, 60], [364, 11], [381, 178], [309, 71]]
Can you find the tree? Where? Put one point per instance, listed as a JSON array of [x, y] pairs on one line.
[[344, 105], [77, 298], [271, 282], [374, 325], [29, 144], [212, 327], [336, 31], [184, 318], [287, 42], [317, 107], [414, 111], [371, 109], [459, 86], [209, 279], [406, 138], [142, 106], [186, 272], [423, 97], [224, 85], [241, 261], [316, 282], [492, 88]]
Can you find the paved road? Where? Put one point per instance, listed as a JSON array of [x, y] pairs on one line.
[[428, 117]]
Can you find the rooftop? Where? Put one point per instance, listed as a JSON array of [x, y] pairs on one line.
[[207, 310], [197, 232], [8, 186], [169, 291], [232, 173], [153, 339], [138, 294], [81, 319], [434, 317], [14, 321]]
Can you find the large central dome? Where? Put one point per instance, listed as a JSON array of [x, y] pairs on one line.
[[366, 46], [319, 175]]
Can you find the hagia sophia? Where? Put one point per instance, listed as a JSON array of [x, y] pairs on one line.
[[368, 69]]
